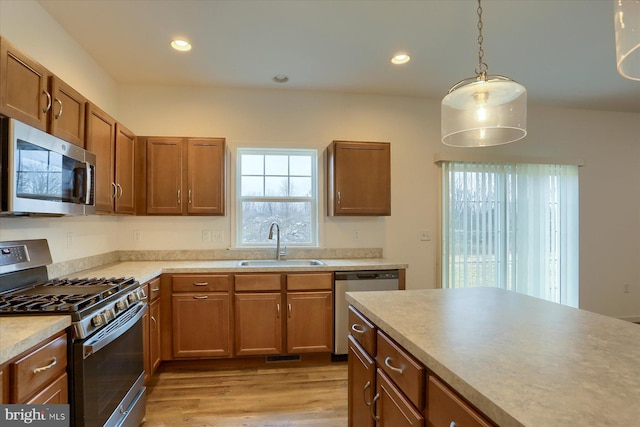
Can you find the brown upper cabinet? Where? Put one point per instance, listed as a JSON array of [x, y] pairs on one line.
[[33, 95], [359, 178], [114, 147], [184, 176]]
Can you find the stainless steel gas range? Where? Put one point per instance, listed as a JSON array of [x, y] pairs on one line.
[[106, 369]]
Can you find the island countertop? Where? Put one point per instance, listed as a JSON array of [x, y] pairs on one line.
[[521, 360]]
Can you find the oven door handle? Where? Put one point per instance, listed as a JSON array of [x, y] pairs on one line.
[[94, 345]]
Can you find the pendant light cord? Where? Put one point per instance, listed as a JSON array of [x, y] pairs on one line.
[[482, 68]]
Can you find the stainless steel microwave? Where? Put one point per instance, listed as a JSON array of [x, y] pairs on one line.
[[41, 174]]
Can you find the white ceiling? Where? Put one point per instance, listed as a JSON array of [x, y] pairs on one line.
[[562, 51]]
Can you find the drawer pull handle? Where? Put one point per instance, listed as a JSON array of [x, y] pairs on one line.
[[373, 407], [200, 297], [200, 283], [453, 424], [44, 368], [155, 289], [364, 393], [387, 362], [358, 329]]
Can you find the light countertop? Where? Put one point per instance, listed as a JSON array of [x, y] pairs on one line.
[[144, 271], [18, 334], [521, 360]]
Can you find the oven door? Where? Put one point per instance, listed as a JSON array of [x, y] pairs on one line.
[[108, 372]]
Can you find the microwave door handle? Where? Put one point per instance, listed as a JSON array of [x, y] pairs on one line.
[[87, 183]]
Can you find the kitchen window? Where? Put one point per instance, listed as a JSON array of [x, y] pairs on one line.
[[277, 185], [513, 226]]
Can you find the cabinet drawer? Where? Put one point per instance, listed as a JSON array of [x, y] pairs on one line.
[[38, 368], [201, 283], [363, 331], [392, 407], [446, 408], [307, 282], [154, 289], [258, 282], [402, 368], [55, 393]]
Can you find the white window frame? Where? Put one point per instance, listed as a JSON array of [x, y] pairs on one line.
[[313, 199]]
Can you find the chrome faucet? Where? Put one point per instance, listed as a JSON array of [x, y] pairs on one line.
[[275, 224]]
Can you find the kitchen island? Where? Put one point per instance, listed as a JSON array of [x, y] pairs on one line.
[[520, 360]]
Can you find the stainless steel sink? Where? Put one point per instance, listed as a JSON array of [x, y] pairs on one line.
[[279, 263]]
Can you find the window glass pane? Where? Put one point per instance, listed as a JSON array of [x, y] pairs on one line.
[[275, 186], [300, 165], [252, 186], [252, 164], [294, 219], [276, 165], [300, 187]]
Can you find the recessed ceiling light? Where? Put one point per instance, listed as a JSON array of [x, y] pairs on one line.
[[181, 45], [281, 78], [400, 58]]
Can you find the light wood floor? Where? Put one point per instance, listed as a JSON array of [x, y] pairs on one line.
[[273, 396]]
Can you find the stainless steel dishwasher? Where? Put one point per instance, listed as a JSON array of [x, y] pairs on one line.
[[353, 281]]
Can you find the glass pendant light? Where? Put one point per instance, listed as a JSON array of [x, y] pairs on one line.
[[627, 28], [484, 110]]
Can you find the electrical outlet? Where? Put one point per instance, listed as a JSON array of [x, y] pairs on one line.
[[136, 235], [356, 235], [69, 240], [625, 288], [206, 235], [218, 235], [425, 235]]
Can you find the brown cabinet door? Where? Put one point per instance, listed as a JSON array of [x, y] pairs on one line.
[[362, 388], [205, 170], [392, 407], [201, 325], [164, 176], [446, 408], [23, 87], [67, 114], [56, 393], [361, 173], [146, 340], [124, 170], [258, 323], [100, 136], [154, 336], [309, 322]]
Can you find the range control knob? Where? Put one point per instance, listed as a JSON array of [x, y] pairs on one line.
[[99, 320], [132, 297], [122, 304], [109, 314]]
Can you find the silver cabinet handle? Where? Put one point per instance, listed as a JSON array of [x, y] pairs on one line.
[[189, 196], [364, 393], [372, 407], [453, 424], [338, 197], [179, 199], [155, 323], [48, 107], [387, 362], [289, 308], [57, 116], [115, 190], [155, 289], [278, 310], [358, 329], [44, 368], [200, 283], [200, 297], [121, 192]]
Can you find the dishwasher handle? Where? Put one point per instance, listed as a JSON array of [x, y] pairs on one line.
[[366, 275]]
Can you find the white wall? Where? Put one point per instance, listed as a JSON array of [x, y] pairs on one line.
[[609, 144]]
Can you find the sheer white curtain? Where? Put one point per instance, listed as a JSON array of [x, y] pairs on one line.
[[513, 226]]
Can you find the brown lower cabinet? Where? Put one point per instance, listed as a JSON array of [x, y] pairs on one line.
[[151, 328], [406, 392], [38, 375], [201, 316], [309, 321]]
